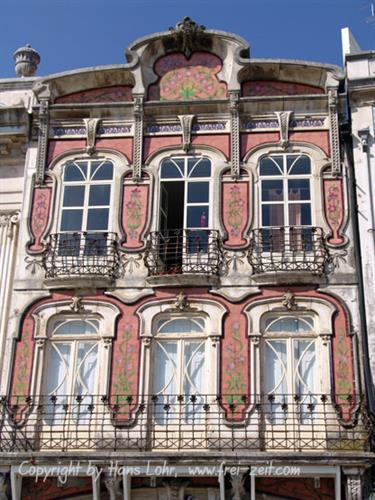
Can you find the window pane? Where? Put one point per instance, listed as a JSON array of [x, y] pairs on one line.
[[57, 369], [71, 220], [74, 196], [289, 324], [298, 165], [197, 216], [299, 214], [74, 173], [194, 367], [273, 215], [200, 168], [304, 361], [76, 327], [198, 192], [86, 369], [97, 219], [169, 170], [165, 368], [99, 195], [104, 172], [272, 191], [299, 189], [180, 326], [276, 367], [272, 166]]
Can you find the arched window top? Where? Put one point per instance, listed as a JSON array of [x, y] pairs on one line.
[[74, 327], [180, 325], [185, 167], [88, 170], [289, 324], [288, 164]]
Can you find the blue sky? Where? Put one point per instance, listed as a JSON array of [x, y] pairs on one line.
[[76, 33]]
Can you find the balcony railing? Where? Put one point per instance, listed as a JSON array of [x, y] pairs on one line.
[[184, 251], [293, 248], [306, 423], [81, 254]]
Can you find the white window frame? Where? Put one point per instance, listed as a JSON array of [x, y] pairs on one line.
[[186, 179], [285, 177], [87, 183]]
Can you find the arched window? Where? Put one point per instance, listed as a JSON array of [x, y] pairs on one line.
[[71, 365], [179, 365], [290, 361]]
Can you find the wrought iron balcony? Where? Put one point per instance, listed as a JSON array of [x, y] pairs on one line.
[[286, 249], [305, 423], [184, 251], [81, 254]]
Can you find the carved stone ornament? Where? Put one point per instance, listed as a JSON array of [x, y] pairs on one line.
[[10, 221], [234, 97], [138, 137], [3, 486], [181, 302], [27, 60], [283, 118], [186, 37], [91, 125], [186, 124], [175, 488], [289, 301], [76, 304]]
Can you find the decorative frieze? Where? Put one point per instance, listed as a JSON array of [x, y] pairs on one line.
[[39, 217], [267, 124], [102, 130], [334, 210], [176, 128], [134, 218]]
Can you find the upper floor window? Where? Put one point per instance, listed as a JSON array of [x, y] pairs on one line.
[[285, 190], [86, 198], [185, 193]]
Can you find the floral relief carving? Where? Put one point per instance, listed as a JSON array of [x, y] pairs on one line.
[[183, 79], [39, 216], [334, 209], [134, 214], [235, 212]]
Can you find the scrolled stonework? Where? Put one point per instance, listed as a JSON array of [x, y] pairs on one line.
[[91, 125], [283, 118], [9, 221], [186, 125]]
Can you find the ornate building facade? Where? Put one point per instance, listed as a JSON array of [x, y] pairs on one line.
[[180, 308]]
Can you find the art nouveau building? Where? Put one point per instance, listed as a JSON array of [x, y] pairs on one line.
[[184, 307]]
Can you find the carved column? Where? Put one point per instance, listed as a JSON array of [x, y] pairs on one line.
[[112, 484], [3, 486], [138, 137], [42, 139], [334, 130], [238, 489], [353, 483], [234, 99]]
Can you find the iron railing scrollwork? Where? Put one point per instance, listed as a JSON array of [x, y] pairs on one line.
[[288, 248], [184, 251], [81, 254], [288, 422]]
